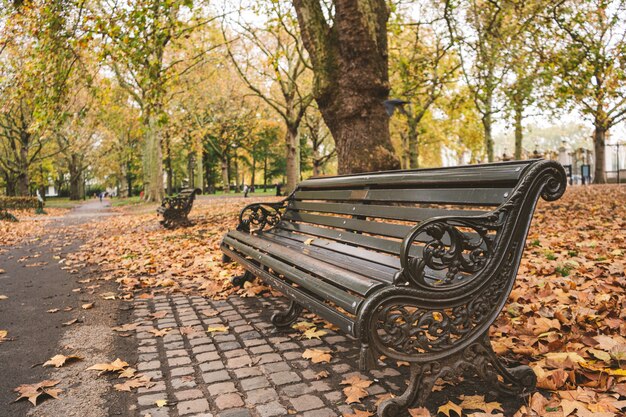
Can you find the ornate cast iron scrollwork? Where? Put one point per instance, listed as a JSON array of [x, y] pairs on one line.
[[477, 358], [258, 216], [451, 249]]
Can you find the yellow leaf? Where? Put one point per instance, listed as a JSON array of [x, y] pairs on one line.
[[59, 360], [313, 333], [309, 241], [217, 329], [3, 297], [161, 403], [450, 406], [303, 325], [317, 355]]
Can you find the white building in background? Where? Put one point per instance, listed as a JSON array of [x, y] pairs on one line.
[[450, 157]]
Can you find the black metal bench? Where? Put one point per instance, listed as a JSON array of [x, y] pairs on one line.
[[175, 209], [416, 264]]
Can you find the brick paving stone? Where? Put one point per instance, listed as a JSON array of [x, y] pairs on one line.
[[157, 412], [221, 388], [218, 376], [276, 367], [207, 357], [184, 382], [235, 412], [293, 355], [235, 353], [203, 348], [230, 400], [287, 346], [254, 342], [146, 357], [147, 366], [188, 394], [174, 345], [158, 386], [261, 349], [295, 390], [185, 370], [261, 396], [309, 374], [211, 366], [271, 409], [254, 383], [341, 368], [147, 349], [150, 399], [176, 352], [192, 406], [247, 372], [269, 358], [333, 396], [239, 362], [306, 402], [153, 374], [229, 346], [312, 342], [182, 360], [323, 412], [200, 341], [250, 335], [285, 377]]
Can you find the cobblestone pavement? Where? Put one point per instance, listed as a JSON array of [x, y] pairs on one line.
[[253, 370]]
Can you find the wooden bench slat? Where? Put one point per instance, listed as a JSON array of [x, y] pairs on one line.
[[306, 300], [358, 283], [506, 173], [384, 259], [353, 281], [414, 214], [461, 196], [350, 262], [398, 231]]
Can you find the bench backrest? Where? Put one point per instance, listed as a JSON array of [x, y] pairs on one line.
[[376, 211]]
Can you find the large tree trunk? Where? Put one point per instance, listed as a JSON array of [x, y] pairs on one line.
[[487, 128], [76, 180], [225, 178], [519, 135], [153, 159], [413, 143], [599, 136], [199, 170], [351, 79], [292, 143]]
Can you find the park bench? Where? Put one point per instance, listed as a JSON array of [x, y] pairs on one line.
[[175, 209], [19, 203], [415, 264]]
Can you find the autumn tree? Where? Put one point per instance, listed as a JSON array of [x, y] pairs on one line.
[[423, 64], [347, 43], [141, 40], [272, 61], [320, 141], [591, 65]]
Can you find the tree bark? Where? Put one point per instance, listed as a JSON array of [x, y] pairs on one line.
[[225, 179], [487, 127], [351, 79], [292, 143], [599, 136], [413, 143], [76, 180], [519, 135], [153, 159]]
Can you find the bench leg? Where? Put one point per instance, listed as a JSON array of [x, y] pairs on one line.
[[284, 319], [239, 280], [478, 358], [226, 259]]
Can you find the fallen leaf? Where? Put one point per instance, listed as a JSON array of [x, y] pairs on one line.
[[217, 329], [52, 310], [159, 315], [69, 323], [161, 403], [303, 325], [210, 313], [313, 333], [321, 375], [359, 413], [34, 391], [450, 406], [309, 241], [59, 360], [3, 297], [138, 382], [355, 391], [160, 333], [419, 412], [87, 306], [3, 335], [117, 365], [126, 327], [317, 355]]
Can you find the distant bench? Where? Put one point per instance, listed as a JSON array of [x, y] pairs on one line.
[[175, 209], [415, 264], [18, 203]]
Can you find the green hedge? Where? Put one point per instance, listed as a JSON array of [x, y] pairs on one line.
[[18, 203]]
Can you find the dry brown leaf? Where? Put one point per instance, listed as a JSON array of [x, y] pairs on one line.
[[33, 391], [359, 413], [317, 355], [217, 329], [355, 391], [87, 306], [137, 382], [321, 375], [59, 360], [117, 365], [450, 407]]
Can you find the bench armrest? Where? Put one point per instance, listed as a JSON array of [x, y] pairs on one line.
[[457, 245], [257, 216]]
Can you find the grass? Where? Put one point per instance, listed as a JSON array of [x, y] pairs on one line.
[[61, 202], [125, 201]]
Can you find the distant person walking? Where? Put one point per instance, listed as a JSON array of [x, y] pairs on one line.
[[101, 195], [246, 189]]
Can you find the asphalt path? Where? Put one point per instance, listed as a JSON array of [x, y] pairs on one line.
[[34, 283]]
